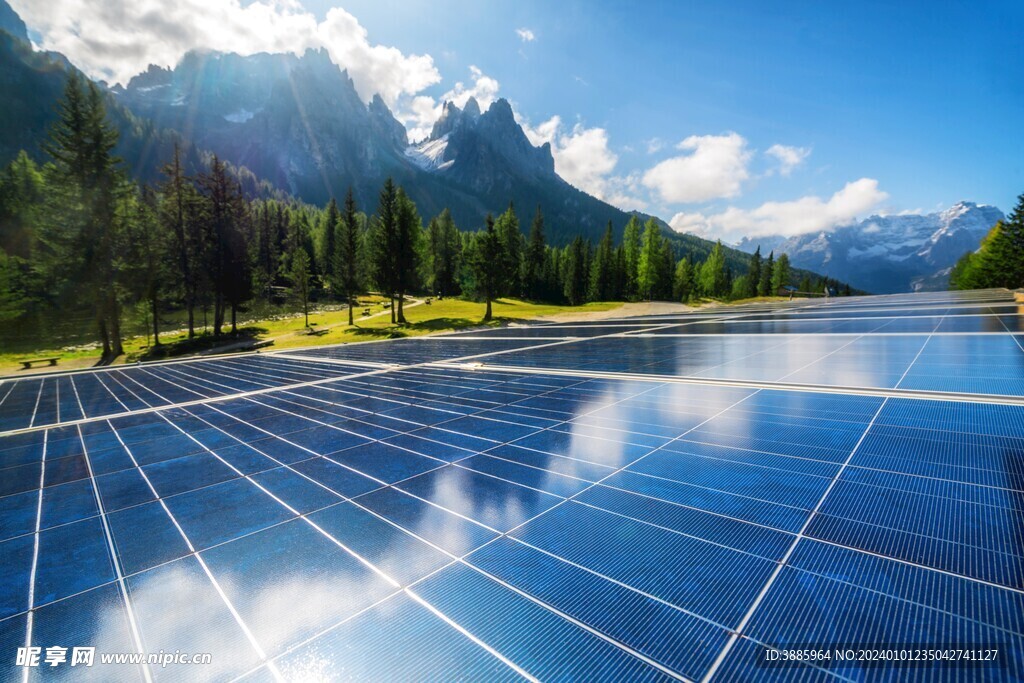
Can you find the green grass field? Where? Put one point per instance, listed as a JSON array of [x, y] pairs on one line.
[[326, 327]]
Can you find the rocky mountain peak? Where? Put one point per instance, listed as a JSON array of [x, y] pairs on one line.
[[500, 110], [451, 117], [386, 123], [472, 108], [153, 77], [12, 23]]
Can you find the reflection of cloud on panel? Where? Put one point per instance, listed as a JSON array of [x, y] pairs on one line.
[[589, 440], [177, 608], [452, 487]]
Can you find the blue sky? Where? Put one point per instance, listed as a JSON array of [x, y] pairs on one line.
[[888, 107]]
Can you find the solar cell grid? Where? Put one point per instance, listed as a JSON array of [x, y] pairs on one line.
[[426, 520]]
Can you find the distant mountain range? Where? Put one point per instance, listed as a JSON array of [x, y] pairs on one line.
[[884, 254]]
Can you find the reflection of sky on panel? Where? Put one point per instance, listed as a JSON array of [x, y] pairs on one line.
[[707, 484]]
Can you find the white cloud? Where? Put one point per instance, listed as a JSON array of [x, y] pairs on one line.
[[374, 68], [796, 217], [526, 35], [544, 132], [482, 87], [788, 157], [420, 112], [715, 167], [585, 160], [116, 39]]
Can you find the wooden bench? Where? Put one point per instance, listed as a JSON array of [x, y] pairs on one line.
[[27, 364]]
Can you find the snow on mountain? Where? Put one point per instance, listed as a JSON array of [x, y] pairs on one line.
[[429, 154], [892, 253]]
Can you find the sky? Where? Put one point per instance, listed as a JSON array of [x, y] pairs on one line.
[[725, 119]]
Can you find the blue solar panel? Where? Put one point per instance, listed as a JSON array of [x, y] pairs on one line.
[[540, 516]]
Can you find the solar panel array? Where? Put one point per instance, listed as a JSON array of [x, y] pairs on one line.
[[655, 498]]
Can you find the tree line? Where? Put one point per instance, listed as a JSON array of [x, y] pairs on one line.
[[79, 235], [999, 260]]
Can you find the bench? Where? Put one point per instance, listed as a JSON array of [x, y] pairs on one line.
[[27, 364]]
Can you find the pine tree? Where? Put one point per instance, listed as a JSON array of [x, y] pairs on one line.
[[764, 287], [535, 258], [332, 219], [647, 266], [781, 274], [1005, 252], [300, 276], [713, 278], [179, 214], [753, 280], [683, 285], [150, 249], [602, 273], [444, 247], [409, 231], [666, 269], [22, 195], [575, 272], [347, 254], [225, 214], [485, 263], [84, 232], [620, 273], [631, 248], [384, 243], [507, 226]]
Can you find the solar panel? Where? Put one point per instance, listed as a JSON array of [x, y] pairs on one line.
[[614, 501]]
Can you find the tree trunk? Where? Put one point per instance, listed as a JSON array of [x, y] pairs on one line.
[[156, 321], [116, 348], [305, 311], [218, 315], [104, 337], [351, 317], [487, 313], [392, 310], [401, 311], [191, 318], [234, 321]]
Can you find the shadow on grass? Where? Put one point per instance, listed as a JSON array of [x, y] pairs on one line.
[[398, 331], [246, 339], [438, 324]]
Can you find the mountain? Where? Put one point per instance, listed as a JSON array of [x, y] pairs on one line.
[[299, 123], [295, 121], [888, 254], [295, 124], [12, 23], [488, 155]]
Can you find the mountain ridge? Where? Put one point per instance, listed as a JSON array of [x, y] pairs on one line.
[[889, 253]]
